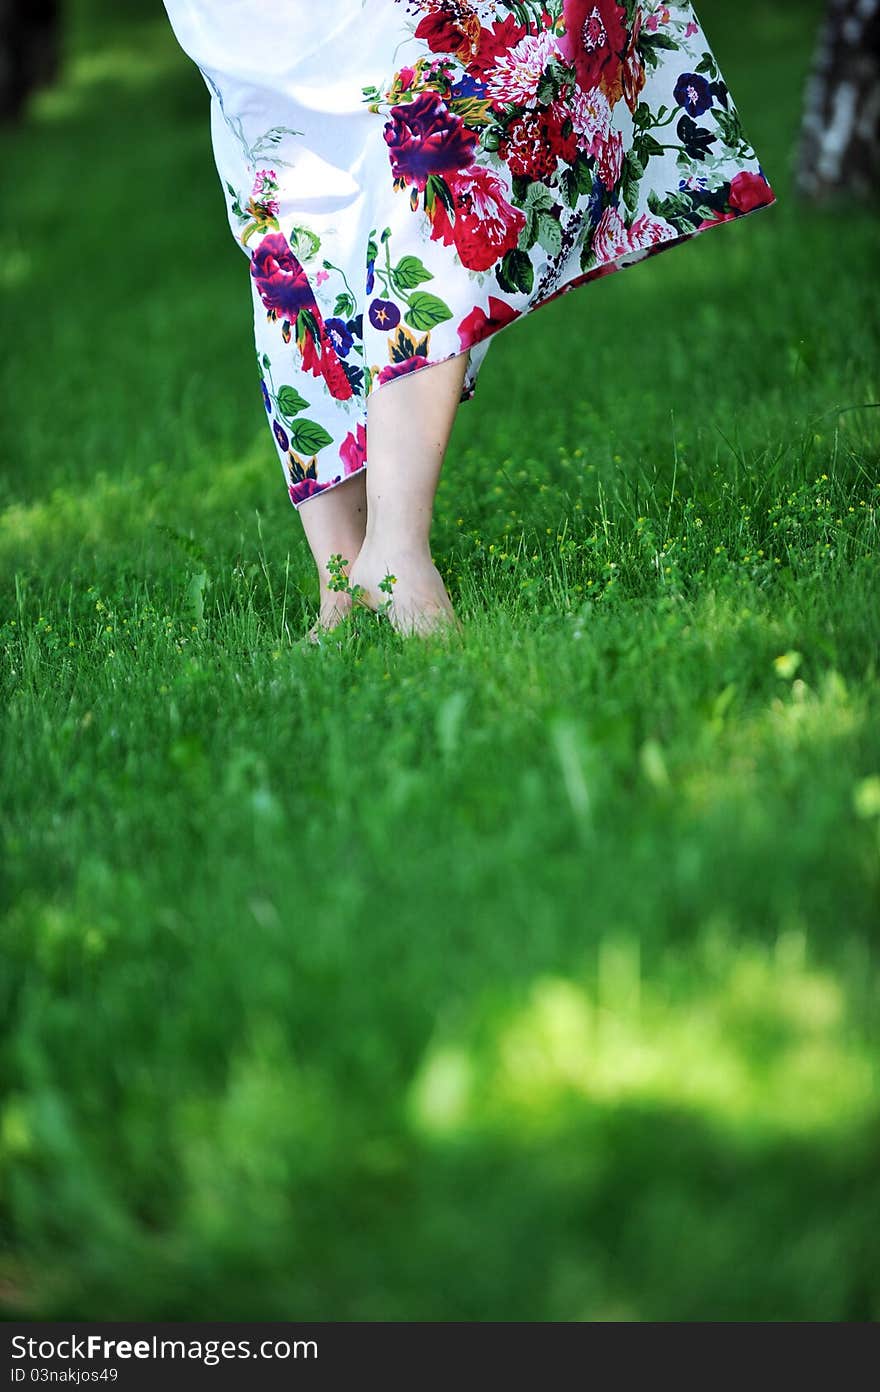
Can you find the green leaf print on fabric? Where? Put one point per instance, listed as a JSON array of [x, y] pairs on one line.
[[549, 234], [345, 305], [309, 437], [426, 311], [290, 403], [633, 172], [306, 323], [516, 274], [304, 243], [650, 43], [408, 273]]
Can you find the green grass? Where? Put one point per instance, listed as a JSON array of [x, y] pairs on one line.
[[530, 978]]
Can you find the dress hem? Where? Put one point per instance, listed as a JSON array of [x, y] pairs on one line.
[[603, 268]]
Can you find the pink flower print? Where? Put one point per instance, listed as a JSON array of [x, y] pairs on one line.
[[591, 119], [517, 74], [265, 182], [661, 16], [353, 451], [609, 160], [611, 238], [648, 231], [265, 185]]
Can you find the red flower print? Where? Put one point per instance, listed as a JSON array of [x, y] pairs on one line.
[[425, 138], [353, 450], [494, 43], [633, 75], [749, 191], [281, 282], [594, 40], [440, 33], [311, 357], [719, 217], [537, 140], [450, 33], [479, 325], [322, 360], [525, 150], [609, 159], [486, 226], [555, 120], [334, 373]]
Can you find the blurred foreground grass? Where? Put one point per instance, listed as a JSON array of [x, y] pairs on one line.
[[531, 979]]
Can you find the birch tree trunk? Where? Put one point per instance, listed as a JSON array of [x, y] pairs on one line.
[[840, 136]]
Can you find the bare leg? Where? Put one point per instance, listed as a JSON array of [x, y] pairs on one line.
[[408, 427], [334, 522]]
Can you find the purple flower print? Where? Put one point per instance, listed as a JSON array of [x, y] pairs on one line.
[[384, 314], [425, 138], [308, 487], [279, 277], [694, 93], [340, 336]]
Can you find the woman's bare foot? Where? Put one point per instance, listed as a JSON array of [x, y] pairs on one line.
[[334, 522], [419, 603], [380, 518], [335, 606]]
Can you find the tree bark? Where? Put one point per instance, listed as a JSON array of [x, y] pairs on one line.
[[840, 135]]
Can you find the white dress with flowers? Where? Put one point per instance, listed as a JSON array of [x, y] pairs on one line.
[[409, 177]]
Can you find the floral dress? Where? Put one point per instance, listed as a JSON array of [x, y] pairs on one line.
[[409, 177]]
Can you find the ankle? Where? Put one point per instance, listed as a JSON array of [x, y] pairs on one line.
[[401, 531], [380, 546]]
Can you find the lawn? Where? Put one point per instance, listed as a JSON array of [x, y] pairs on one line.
[[531, 977]]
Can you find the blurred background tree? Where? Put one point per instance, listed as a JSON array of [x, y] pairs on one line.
[[840, 135], [29, 50]]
